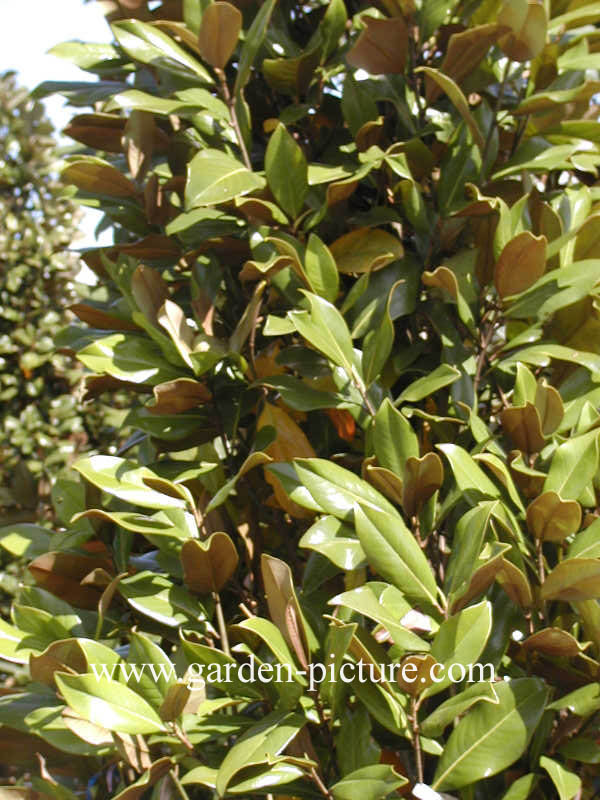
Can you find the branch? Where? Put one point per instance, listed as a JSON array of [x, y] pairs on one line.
[[230, 100], [414, 719]]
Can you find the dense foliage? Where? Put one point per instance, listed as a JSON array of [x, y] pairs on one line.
[[42, 426], [353, 296]]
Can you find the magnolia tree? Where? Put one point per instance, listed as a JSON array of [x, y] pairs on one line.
[[353, 299], [42, 423], [39, 417]]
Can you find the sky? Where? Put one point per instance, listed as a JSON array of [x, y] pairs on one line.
[[29, 29]]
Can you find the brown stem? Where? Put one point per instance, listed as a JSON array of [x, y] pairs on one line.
[[416, 523], [325, 726], [246, 611], [363, 392], [542, 576], [230, 100], [486, 338], [540, 556], [178, 787], [319, 783], [494, 122], [183, 738], [221, 624], [416, 738]]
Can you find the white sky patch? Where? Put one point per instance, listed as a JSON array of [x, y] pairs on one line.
[[424, 792], [29, 29]]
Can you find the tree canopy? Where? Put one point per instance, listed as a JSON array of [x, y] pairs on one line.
[[353, 300]]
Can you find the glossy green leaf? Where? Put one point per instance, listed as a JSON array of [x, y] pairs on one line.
[[10, 644], [127, 481], [335, 541], [469, 536], [287, 171], [152, 685], [258, 745], [573, 466], [369, 783], [324, 328], [573, 580], [153, 526], [583, 701], [108, 703], [222, 664], [461, 639], [521, 789], [459, 101], [367, 600], [581, 748], [215, 177], [586, 544], [567, 783], [454, 707], [393, 438], [150, 45], [320, 267], [160, 599], [392, 550], [492, 736], [354, 745], [265, 777], [267, 632], [469, 477], [300, 395], [129, 358], [378, 343], [332, 26], [444, 375], [252, 43]]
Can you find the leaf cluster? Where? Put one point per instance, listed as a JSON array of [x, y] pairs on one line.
[[353, 294]]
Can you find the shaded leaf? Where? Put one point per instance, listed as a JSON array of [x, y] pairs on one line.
[[219, 32], [98, 177], [521, 262], [381, 47], [208, 565], [365, 250], [573, 580], [422, 478], [370, 783], [528, 22], [552, 519]]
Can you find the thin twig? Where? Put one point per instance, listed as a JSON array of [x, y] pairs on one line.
[[485, 340], [494, 122], [363, 392], [177, 784], [221, 624], [540, 555], [246, 611], [414, 718], [319, 783], [230, 101]]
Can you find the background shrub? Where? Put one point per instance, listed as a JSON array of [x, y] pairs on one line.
[[43, 428]]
